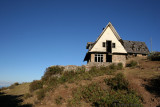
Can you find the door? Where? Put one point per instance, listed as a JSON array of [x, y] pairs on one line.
[[108, 58], [109, 46]]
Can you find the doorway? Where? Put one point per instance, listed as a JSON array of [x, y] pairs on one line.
[[109, 46], [108, 58]]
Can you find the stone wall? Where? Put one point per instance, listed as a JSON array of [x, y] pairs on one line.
[[92, 57], [104, 57], [115, 59], [119, 59]]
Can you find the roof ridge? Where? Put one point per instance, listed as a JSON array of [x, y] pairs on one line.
[[113, 30]]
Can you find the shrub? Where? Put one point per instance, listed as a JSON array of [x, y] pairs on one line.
[[3, 88], [117, 98], [118, 82], [13, 85], [59, 100], [51, 81], [40, 94], [112, 66], [132, 64], [27, 95], [36, 84], [51, 71], [119, 66], [155, 56], [91, 93], [99, 97], [16, 83], [81, 69]]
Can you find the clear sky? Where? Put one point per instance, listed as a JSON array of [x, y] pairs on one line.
[[35, 34]]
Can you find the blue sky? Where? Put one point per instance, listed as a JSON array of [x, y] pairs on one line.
[[35, 34]]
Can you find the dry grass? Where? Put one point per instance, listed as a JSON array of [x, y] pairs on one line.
[[138, 77], [18, 90]]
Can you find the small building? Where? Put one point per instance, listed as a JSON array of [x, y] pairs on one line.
[[110, 48]]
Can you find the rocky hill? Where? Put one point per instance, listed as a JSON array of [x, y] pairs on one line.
[[138, 84]]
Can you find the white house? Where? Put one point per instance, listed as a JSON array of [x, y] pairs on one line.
[[110, 48]]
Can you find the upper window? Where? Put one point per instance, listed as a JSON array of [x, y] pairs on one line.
[[104, 44], [98, 57], [113, 45]]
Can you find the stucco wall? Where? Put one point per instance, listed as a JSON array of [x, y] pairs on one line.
[[108, 35]]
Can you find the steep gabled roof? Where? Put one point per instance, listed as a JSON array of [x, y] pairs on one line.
[[113, 30], [135, 47]]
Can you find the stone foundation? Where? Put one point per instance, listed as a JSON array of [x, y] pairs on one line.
[[115, 59], [119, 59]]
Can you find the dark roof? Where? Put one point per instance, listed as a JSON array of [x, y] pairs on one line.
[[135, 47], [89, 45]]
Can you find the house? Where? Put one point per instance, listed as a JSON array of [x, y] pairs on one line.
[[110, 48]]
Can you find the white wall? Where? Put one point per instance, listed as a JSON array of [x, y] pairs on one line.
[[108, 35]]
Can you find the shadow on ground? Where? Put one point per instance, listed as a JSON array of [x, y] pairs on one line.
[[11, 101], [153, 86]]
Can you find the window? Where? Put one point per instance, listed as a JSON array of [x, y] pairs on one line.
[[113, 45], [98, 57], [103, 44]]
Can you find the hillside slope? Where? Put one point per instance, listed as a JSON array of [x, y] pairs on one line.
[[144, 79]]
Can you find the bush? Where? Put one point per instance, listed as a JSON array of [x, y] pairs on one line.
[[99, 97], [118, 82], [40, 94], [132, 64], [16, 83], [51, 71], [36, 84], [81, 69], [155, 56], [112, 66], [119, 66], [91, 93], [13, 85], [27, 95], [117, 98], [59, 100]]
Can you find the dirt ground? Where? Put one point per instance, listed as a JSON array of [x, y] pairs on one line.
[[144, 79]]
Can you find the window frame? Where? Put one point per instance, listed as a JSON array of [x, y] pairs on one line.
[[113, 45], [98, 58], [103, 44]]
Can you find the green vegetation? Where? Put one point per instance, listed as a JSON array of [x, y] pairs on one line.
[[99, 97], [132, 64], [27, 95], [13, 85], [55, 76], [53, 70], [59, 100], [119, 66], [154, 56], [36, 84], [118, 82], [40, 94], [93, 94], [100, 86]]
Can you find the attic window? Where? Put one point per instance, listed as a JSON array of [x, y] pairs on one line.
[[113, 45], [103, 44]]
